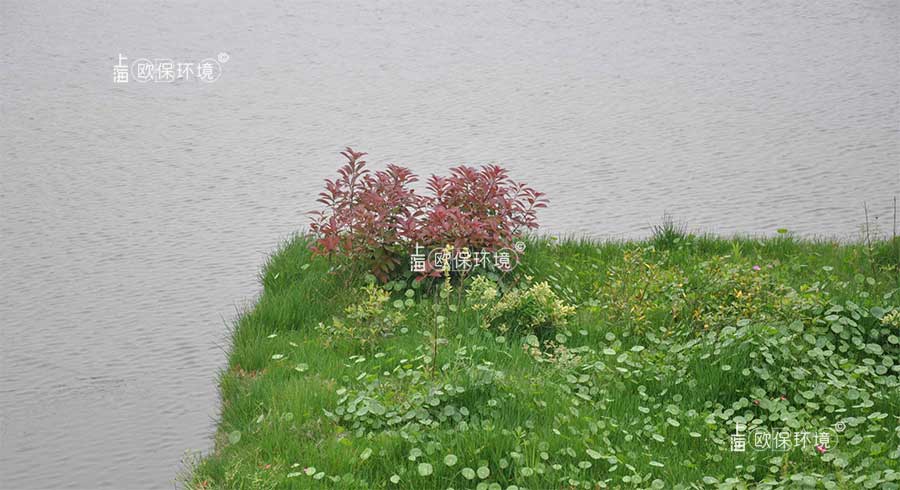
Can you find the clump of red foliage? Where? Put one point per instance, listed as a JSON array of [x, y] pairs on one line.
[[376, 218]]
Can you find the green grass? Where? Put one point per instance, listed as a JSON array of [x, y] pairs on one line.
[[674, 340]]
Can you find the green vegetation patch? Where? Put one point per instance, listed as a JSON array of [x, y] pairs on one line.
[[680, 362]]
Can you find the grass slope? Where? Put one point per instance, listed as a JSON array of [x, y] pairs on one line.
[[674, 342]]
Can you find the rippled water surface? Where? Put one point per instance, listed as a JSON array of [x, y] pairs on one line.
[[134, 217]]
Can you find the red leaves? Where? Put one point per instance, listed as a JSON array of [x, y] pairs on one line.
[[377, 218], [479, 208]]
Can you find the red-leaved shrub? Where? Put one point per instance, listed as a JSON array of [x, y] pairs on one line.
[[478, 208], [376, 219]]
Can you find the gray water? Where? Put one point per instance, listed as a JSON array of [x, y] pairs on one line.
[[134, 217]]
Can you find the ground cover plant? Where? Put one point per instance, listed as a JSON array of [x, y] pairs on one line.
[[680, 361], [666, 351]]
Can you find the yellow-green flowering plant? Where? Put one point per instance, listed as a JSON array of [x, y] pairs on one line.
[[532, 310], [367, 320]]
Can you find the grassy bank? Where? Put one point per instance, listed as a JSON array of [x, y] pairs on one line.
[[673, 342]]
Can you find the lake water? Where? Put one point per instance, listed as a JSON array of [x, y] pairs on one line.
[[134, 217]]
